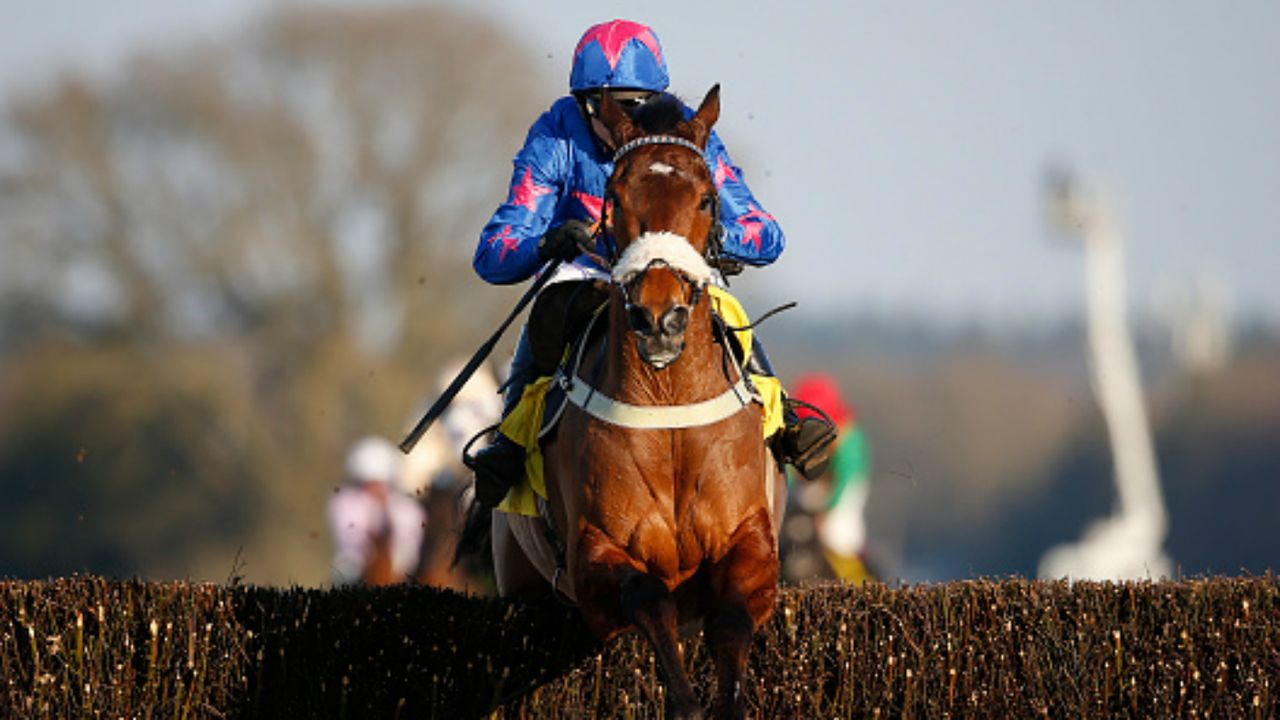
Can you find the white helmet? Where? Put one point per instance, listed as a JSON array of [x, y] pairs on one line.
[[477, 405], [373, 459]]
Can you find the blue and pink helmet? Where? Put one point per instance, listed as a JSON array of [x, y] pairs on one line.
[[618, 54]]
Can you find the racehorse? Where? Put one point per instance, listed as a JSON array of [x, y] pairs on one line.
[[659, 485]]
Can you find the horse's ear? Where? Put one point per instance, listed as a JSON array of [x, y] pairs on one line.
[[616, 120], [708, 112]]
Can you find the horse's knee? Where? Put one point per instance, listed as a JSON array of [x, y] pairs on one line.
[[748, 574], [638, 593], [728, 625], [752, 559]]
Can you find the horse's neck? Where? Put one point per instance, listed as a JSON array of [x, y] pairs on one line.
[[627, 377]]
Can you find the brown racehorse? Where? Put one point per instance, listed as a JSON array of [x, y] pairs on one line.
[[659, 483]]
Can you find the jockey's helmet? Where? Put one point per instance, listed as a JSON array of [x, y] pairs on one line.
[[618, 54], [373, 459]]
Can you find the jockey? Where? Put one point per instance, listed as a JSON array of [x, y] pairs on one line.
[[370, 507], [557, 193]]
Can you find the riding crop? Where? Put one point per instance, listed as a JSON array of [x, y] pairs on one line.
[[438, 407]]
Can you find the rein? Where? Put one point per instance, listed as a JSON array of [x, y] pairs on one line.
[[756, 323]]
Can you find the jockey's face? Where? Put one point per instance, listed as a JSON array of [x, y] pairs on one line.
[[589, 103]]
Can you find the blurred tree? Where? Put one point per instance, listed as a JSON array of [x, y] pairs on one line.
[[128, 463], [284, 221]]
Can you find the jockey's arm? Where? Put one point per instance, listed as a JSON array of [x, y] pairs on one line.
[[751, 234], [508, 249]]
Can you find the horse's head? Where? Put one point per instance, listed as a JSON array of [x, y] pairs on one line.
[[663, 212]]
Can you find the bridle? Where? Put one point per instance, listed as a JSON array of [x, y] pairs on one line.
[[656, 140], [692, 289], [715, 234], [584, 394]]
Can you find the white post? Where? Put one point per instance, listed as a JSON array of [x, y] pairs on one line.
[[1127, 544]]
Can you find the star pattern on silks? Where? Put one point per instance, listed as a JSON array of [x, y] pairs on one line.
[[752, 223], [526, 192], [509, 242], [614, 36], [593, 204], [723, 172]]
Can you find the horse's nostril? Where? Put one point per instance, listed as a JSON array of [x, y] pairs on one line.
[[639, 319], [676, 320]]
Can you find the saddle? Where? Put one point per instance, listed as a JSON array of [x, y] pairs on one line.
[[559, 317], [562, 324]]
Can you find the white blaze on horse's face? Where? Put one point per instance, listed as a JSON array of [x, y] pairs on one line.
[[661, 168]]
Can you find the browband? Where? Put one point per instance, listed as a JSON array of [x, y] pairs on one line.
[[656, 140]]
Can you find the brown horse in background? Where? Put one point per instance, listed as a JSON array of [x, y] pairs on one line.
[[660, 487]]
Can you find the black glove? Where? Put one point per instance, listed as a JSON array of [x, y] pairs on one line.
[[729, 266], [564, 242], [490, 495]]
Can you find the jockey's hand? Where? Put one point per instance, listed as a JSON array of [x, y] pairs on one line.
[[565, 241], [729, 266]]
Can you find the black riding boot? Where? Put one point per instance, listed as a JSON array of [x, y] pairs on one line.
[[500, 466], [805, 443]]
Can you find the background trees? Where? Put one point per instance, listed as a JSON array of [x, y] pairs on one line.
[[227, 262]]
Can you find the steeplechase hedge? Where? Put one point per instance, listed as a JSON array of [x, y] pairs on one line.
[[87, 647]]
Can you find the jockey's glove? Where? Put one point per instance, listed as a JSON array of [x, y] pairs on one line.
[[565, 241], [729, 266]]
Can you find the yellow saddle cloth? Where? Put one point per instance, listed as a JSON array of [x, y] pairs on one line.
[[525, 421]]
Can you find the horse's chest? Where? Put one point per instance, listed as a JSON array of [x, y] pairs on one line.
[[668, 533], [670, 501]]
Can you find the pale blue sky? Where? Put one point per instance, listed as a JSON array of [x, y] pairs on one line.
[[901, 144]]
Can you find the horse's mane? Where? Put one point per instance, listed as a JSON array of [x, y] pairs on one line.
[[659, 114]]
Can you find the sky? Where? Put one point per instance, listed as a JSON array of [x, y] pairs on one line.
[[902, 146]]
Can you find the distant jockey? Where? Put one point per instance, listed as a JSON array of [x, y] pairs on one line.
[[376, 527], [841, 525], [433, 473], [556, 195]]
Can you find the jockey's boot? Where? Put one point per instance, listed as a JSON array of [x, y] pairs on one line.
[[500, 466], [805, 443]]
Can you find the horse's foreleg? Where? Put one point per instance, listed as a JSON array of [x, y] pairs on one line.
[[613, 593], [744, 584], [648, 605], [728, 631]]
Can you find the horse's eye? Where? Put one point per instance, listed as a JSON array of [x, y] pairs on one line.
[[707, 201]]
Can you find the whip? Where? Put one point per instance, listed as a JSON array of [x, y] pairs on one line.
[[438, 407]]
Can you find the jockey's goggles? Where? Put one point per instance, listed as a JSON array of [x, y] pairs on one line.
[[628, 99]]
